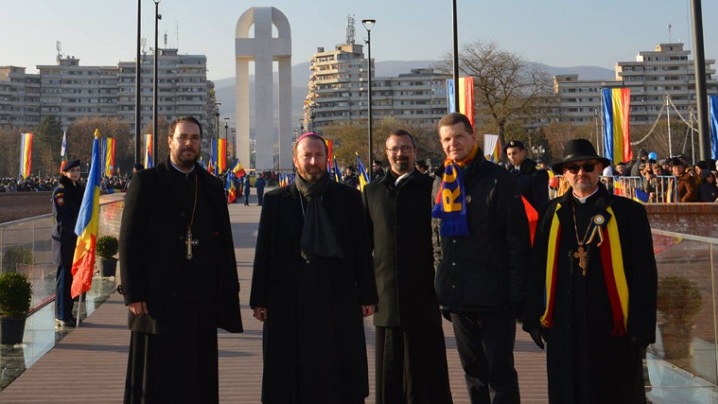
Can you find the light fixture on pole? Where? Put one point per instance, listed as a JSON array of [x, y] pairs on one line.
[[368, 25], [155, 115]]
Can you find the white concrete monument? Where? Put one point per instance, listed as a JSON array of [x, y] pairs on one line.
[[264, 49]]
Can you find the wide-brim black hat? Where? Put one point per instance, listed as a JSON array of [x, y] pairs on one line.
[[579, 150]]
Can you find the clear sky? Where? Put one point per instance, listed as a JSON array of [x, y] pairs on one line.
[[559, 33]]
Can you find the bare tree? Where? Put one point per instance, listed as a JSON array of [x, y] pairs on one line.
[[507, 88]]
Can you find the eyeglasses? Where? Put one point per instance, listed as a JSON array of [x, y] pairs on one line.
[[587, 168], [185, 138], [405, 149]]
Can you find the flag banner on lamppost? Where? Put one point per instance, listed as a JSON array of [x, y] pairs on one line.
[[466, 97], [713, 106], [492, 148], [221, 155], [109, 156], [63, 149], [149, 162], [25, 155], [616, 132]]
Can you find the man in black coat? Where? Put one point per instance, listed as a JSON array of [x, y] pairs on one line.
[[483, 258], [179, 275], [312, 283], [598, 313], [66, 201], [410, 350], [533, 183]]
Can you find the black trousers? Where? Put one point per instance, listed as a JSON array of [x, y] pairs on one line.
[[411, 365], [63, 301], [485, 341]]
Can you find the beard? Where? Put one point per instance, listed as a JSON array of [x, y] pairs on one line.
[[402, 165], [185, 158], [310, 173]]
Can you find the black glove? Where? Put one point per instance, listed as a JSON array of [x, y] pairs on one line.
[[537, 336]]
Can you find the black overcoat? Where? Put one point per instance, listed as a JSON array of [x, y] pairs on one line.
[[585, 362], [153, 226], [314, 343], [399, 219]]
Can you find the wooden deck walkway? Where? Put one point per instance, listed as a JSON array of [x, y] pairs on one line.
[[88, 365]]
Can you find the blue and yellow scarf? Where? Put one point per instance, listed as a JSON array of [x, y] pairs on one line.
[[450, 204]]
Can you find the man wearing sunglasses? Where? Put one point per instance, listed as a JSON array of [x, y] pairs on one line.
[[592, 287]]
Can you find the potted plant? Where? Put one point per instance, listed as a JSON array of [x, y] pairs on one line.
[[106, 248], [15, 295], [679, 301]]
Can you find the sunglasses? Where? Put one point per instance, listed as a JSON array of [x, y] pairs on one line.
[[587, 168]]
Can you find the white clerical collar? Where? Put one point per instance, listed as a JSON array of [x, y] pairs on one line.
[[583, 200], [402, 178]]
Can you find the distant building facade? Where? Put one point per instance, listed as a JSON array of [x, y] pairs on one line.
[[71, 91], [338, 86], [666, 72]]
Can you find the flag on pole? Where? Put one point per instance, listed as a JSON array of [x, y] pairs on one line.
[[83, 262], [221, 155], [231, 189], [149, 163], [25, 155], [63, 149], [713, 106], [616, 115], [337, 174], [238, 170], [363, 176], [212, 164], [109, 157], [466, 97]]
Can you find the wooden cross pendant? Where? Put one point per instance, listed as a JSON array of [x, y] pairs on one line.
[[581, 255], [189, 243]]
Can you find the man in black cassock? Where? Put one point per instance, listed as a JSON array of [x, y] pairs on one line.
[[312, 283], [179, 275], [600, 316], [410, 349]]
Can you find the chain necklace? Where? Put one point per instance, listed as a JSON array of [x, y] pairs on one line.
[[588, 236], [189, 242]]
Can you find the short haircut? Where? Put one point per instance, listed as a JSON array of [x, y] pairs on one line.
[[190, 119], [454, 118], [402, 132], [311, 135]]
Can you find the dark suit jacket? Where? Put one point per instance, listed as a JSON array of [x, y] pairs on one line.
[[148, 250], [399, 221]]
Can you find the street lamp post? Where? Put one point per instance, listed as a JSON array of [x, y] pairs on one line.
[[155, 115], [368, 25], [226, 140], [138, 85]]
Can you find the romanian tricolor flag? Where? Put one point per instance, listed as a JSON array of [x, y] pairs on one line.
[[63, 149], [466, 97], [363, 176], [330, 153], [221, 155], [83, 262], [231, 189], [25, 155], [212, 165], [337, 173], [616, 133], [238, 170], [149, 163], [109, 156], [713, 107]]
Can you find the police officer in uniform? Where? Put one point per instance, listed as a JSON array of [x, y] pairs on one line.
[[533, 183], [66, 200]]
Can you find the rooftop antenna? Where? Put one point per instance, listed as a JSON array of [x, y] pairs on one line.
[[669, 32], [58, 47], [143, 41], [350, 30], [165, 39], [177, 32]]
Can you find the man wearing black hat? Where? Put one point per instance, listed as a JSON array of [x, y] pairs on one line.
[[533, 183], [66, 201], [592, 287]]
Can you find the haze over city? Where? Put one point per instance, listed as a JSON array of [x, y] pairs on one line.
[[554, 32]]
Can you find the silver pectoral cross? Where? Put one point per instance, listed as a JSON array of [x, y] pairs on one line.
[[189, 243]]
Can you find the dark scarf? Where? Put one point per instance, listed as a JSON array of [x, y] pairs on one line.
[[318, 237]]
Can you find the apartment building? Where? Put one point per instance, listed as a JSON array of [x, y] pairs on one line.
[[71, 91], [655, 78]]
